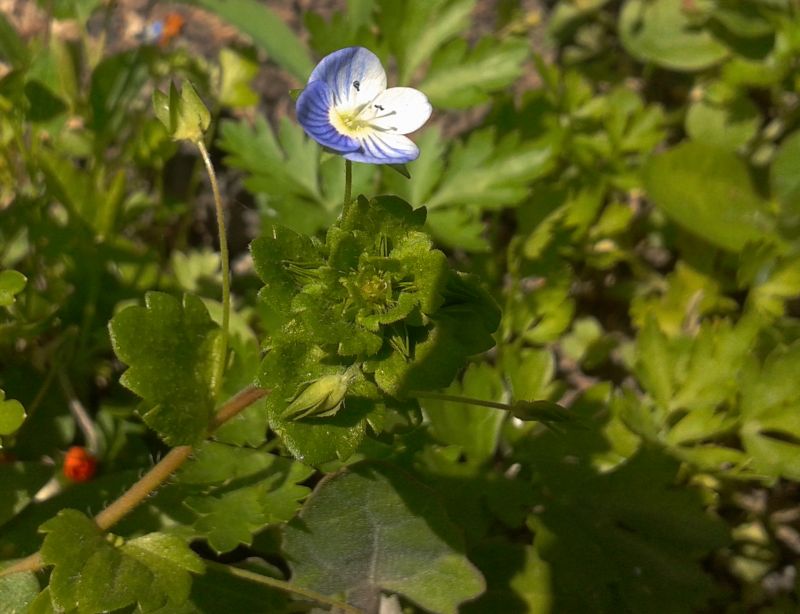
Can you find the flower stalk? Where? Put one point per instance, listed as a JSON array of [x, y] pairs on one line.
[[225, 263]]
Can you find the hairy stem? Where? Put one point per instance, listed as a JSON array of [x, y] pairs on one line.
[[459, 399], [348, 182], [226, 268], [283, 586], [153, 479]]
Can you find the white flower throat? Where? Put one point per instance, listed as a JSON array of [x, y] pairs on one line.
[[358, 121]]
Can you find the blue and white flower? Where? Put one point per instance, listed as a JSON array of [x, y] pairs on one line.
[[347, 108]]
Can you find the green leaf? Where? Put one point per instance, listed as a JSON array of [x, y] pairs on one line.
[[11, 284], [94, 575], [243, 491], [490, 173], [659, 535], [462, 77], [372, 528], [783, 175], [474, 429], [238, 70], [19, 482], [728, 125], [662, 32], [17, 592], [12, 415], [171, 349], [284, 169], [12, 47], [770, 408], [288, 366], [268, 31], [116, 81], [708, 191], [416, 30]]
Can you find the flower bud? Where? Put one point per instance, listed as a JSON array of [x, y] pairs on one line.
[[321, 398]]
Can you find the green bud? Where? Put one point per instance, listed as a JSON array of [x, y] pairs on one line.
[[184, 115], [322, 398]]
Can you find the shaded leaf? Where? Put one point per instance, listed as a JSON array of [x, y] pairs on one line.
[[708, 191], [372, 528]]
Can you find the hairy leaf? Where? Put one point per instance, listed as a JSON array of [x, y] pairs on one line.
[[171, 349], [372, 528]]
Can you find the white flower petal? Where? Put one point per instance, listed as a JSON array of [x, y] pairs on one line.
[[354, 74], [398, 110], [384, 148]]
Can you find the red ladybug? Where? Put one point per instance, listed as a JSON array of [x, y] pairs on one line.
[[79, 464]]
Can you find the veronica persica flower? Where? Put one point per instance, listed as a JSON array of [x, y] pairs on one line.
[[347, 108]]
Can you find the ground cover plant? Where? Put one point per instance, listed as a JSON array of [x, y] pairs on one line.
[[379, 306]]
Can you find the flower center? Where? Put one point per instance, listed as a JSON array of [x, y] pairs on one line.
[[348, 122]]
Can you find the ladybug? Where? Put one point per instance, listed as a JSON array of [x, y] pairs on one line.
[[79, 464]]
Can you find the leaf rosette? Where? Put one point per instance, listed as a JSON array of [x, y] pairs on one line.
[[375, 300]]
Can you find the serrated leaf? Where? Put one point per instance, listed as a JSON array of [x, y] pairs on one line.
[[281, 257], [461, 77], [11, 284], [244, 491], [770, 410], [415, 31], [486, 172], [171, 349], [372, 528], [708, 191], [94, 575], [658, 533], [286, 367]]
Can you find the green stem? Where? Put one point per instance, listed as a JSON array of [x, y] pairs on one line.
[[283, 586], [459, 399], [226, 269], [348, 182]]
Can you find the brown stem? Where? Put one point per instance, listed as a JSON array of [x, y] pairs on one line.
[[154, 478]]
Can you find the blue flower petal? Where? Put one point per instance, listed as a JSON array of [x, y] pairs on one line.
[[354, 74], [384, 149], [313, 113]]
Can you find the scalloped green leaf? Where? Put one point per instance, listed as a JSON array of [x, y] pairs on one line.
[[93, 574], [373, 528], [288, 366], [243, 491], [171, 349]]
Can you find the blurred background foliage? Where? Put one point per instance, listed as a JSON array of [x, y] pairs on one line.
[[622, 175]]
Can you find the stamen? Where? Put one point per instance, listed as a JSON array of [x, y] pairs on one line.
[[357, 85]]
